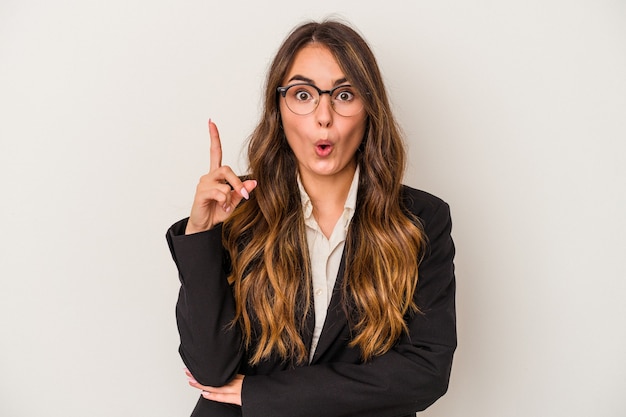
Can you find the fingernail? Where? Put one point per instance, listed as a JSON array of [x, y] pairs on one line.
[[244, 193], [227, 208], [206, 394]]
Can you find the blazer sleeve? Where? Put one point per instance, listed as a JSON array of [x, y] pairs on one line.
[[209, 346], [408, 378]]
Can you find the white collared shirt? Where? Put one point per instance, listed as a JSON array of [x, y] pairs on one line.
[[325, 254]]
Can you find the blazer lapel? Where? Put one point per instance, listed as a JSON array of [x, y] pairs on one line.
[[336, 319], [306, 331]]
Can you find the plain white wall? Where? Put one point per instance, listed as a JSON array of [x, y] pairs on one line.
[[515, 113]]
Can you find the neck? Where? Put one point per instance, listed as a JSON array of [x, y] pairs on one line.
[[328, 191], [328, 196]]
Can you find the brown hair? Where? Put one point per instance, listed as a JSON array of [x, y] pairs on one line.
[[266, 236]]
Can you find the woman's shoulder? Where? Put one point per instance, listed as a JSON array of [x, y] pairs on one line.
[[420, 202], [432, 211]]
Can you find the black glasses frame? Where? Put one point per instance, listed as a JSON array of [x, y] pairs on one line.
[[283, 90]]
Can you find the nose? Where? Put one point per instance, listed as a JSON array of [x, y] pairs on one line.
[[324, 111]]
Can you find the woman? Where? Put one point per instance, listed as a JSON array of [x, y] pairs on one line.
[[318, 285]]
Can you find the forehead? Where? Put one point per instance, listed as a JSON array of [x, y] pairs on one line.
[[317, 63]]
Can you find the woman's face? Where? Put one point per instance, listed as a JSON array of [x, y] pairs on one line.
[[323, 141]]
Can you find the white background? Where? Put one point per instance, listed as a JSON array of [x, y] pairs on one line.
[[514, 111]]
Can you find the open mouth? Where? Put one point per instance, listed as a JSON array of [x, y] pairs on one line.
[[323, 148]]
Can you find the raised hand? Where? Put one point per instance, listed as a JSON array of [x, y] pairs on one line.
[[218, 192]]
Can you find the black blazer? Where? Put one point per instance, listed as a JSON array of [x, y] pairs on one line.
[[408, 378]]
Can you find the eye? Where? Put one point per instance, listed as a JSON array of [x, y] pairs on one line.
[[344, 95], [302, 94]]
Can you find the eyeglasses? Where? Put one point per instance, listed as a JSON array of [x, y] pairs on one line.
[[303, 99]]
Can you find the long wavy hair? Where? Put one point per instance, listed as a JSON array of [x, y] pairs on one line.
[[266, 236]]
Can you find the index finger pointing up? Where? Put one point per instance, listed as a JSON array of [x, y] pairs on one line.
[[216, 147]]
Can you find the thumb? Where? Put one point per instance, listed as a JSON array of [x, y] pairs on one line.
[[249, 185], [244, 192]]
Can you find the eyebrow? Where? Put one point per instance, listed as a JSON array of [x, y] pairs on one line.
[[302, 78]]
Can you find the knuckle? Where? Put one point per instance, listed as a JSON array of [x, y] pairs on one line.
[[224, 169]]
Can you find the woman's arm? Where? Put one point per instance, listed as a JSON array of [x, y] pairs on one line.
[[209, 346]]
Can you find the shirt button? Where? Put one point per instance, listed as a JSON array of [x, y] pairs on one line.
[[318, 292]]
